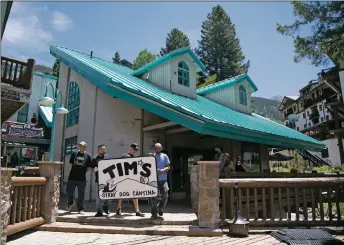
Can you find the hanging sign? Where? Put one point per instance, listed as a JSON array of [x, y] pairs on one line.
[[125, 178], [23, 130]]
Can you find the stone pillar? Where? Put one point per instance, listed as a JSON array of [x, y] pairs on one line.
[[209, 194], [6, 175], [194, 187], [51, 171]]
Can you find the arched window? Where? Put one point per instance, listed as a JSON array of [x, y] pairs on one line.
[[183, 74], [242, 95], [73, 104]]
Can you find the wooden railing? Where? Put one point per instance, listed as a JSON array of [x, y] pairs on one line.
[[281, 175], [26, 203], [17, 73], [277, 201]]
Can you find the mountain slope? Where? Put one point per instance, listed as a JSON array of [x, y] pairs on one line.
[[267, 108]]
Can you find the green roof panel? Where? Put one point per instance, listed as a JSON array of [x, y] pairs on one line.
[[200, 114]]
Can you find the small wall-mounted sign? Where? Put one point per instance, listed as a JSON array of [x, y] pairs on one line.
[[24, 130]]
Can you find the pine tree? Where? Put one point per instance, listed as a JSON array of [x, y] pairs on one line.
[[116, 59], [219, 48], [56, 68], [175, 39]]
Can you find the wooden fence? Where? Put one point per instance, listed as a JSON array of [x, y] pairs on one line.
[[26, 203], [277, 201]]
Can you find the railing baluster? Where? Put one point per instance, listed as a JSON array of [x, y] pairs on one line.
[[255, 204], [39, 203], [297, 203], [223, 191], [304, 201], [34, 206], [321, 204], [280, 203], [248, 203], [20, 206], [272, 207], [15, 72], [29, 213], [14, 205], [313, 204], [231, 203], [240, 199], [5, 69], [26, 194], [264, 203], [339, 217], [288, 203], [329, 203]]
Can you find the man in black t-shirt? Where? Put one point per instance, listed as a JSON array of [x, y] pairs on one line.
[[80, 162], [101, 205]]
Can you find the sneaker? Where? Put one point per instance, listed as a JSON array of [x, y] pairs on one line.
[[98, 214], [119, 211], [106, 209], [154, 217], [140, 214], [69, 207], [82, 212]]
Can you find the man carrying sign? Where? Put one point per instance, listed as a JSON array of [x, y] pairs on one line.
[[163, 166], [131, 153]]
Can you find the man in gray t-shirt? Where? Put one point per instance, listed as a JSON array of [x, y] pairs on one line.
[[131, 153]]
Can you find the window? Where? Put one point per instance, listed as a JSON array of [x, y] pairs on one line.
[[73, 104], [305, 126], [304, 115], [242, 95], [327, 117], [321, 119], [307, 113], [183, 74], [71, 145], [23, 113], [320, 107], [298, 129], [295, 108], [309, 124]]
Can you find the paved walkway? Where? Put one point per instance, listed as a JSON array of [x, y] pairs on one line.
[[57, 238]]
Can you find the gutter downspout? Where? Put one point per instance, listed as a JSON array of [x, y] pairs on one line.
[[93, 137]]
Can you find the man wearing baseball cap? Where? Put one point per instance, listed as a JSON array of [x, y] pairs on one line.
[[131, 153], [80, 162]]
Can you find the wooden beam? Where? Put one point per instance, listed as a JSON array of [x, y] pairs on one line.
[[159, 126], [177, 130]]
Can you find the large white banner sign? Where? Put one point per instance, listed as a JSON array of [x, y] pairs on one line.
[[125, 178]]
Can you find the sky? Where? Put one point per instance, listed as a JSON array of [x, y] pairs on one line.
[[129, 27]]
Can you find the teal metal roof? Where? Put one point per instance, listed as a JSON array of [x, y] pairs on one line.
[[200, 114], [226, 83], [167, 57], [40, 74], [46, 114]]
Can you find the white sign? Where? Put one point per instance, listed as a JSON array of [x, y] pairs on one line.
[[125, 178]]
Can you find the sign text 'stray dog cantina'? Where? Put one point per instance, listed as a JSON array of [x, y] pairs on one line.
[[127, 178]]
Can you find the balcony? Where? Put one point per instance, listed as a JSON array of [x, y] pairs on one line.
[[16, 80]]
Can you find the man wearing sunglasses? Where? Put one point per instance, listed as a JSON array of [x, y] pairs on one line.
[[163, 166]]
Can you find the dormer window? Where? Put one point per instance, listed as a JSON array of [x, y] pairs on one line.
[[183, 74], [242, 95]]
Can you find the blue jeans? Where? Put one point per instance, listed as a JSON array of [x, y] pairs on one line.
[[161, 200], [101, 203], [81, 193]]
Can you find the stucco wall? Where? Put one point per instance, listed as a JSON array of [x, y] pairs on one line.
[[333, 151]]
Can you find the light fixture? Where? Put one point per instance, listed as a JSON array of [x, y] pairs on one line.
[[61, 110], [46, 101]]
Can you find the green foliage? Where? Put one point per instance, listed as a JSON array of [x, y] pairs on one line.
[[326, 20], [209, 80], [328, 169], [116, 59], [219, 48], [56, 68], [175, 39], [143, 59]]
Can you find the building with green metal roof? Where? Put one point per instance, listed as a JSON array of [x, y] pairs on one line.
[[114, 105]]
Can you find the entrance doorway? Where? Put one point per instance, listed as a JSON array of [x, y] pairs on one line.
[[182, 161]]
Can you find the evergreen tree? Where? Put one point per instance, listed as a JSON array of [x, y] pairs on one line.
[[143, 59], [56, 68], [116, 59], [219, 48], [326, 39], [175, 39]]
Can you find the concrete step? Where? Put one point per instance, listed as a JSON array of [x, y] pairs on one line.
[[134, 229]]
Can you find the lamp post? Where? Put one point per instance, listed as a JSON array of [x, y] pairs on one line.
[[47, 101]]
